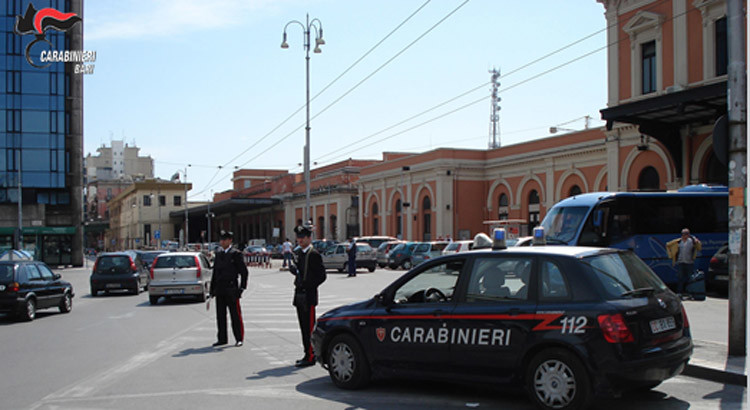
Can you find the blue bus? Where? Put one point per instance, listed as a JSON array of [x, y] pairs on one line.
[[643, 222]]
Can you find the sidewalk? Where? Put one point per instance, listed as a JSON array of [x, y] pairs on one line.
[[709, 327]]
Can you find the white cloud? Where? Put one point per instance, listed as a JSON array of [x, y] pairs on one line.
[[148, 18]]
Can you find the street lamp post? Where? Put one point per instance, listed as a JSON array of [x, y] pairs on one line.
[[316, 25]]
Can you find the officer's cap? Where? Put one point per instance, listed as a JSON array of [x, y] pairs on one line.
[[303, 230], [226, 235]]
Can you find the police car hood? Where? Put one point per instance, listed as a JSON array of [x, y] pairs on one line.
[[358, 308]]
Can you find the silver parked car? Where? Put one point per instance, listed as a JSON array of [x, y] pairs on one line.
[[335, 257], [180, 274]]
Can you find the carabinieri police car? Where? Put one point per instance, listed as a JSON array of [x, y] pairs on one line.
[[568, 323]]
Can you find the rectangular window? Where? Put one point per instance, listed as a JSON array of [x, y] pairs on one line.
[[147, 200], [177, 200], [499, 279], [162, 200], [722, 54], [648, 60]]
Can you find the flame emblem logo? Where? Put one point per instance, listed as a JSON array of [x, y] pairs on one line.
[[380, 333], [37, 22]]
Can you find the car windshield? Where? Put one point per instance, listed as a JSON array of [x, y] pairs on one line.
[[624, 275], [511, 242], [175, 261], [6, 273], [561, 224], [107, 263]]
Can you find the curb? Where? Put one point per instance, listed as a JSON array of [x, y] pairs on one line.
[[715, 375]]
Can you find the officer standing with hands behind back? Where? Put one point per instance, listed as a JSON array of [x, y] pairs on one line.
[[228, 264], [309, 273]]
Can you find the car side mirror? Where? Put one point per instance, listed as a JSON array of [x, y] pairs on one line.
[[384, 300], [57, 276]]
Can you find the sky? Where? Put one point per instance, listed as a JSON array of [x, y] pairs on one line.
[[206, 84]]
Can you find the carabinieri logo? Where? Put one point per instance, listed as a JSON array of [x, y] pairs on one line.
[[37, 23]]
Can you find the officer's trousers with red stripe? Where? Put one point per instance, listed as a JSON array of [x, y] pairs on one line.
[[238, 328], [306, 318]]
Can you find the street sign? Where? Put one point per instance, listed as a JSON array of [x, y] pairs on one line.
[[137, 240], [157, 234]]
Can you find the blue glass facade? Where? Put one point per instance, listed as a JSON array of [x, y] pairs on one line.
[[33, 118]]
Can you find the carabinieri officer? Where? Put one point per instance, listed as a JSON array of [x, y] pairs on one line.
[[309, 273], [228, 263]]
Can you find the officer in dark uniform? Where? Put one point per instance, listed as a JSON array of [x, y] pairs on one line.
[[228, 264], [309, 273]]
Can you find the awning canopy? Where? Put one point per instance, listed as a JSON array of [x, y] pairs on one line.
[[662, 116]]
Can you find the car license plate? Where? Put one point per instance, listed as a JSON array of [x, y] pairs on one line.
[[174, 291], [722, 277], [662, 325], [114, 285]]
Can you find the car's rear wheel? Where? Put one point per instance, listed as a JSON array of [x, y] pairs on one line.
[[371, 268], [66, 303], [347, 364], [556, 379], [406, 265], [28, 310], [342, 269], [94, 292], [382, 265], [137, 290], [153, 300], [202, 296]]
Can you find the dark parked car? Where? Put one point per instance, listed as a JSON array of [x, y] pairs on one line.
[[566, 323], [384, 251], [119, 271], [26, 286], [149, 256], [401, 255], [718, 270]]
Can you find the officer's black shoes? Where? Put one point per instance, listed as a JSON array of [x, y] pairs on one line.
[[351, 275], [239, 343], [219, 343], [305, 362]]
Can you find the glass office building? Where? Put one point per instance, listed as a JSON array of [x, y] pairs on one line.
[[41, 138]]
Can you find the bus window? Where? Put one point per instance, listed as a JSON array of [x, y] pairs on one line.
[[562, 223]]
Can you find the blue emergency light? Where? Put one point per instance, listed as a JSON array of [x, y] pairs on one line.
[[539, 238], [498, 238]]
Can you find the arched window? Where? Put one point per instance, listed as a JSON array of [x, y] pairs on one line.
[[398, 220], [321, 226], [502, 212], [375, 219], [426, 204], [533, 210], [574, 190], [648, 179]]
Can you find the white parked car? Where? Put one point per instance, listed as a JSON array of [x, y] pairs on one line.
[[457, 247]]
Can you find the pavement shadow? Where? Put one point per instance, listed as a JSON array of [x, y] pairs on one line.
[[8, 319], [277, 372], [200, 350], [727, 397]]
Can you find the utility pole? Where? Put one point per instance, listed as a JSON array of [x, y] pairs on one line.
[[186, 211], [494, 110], [737, 100], [19, 236]]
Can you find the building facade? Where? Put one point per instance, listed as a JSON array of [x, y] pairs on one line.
[[141, 213], [41, 138], [118, 161]]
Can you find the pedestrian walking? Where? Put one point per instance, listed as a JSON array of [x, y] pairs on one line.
[[309, 273], [286, 250], [227, 289], [351, 263], [683, 252]]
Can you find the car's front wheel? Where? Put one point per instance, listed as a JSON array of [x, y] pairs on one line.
[[28, 310], [556, 379], [406, 265], [371, 268], [153, 300], [66, 303], [347, 364]]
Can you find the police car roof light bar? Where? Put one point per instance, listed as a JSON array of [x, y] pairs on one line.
[[498, 239], [539, 237]]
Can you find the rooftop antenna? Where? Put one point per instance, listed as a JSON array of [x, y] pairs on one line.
[[494, 111]]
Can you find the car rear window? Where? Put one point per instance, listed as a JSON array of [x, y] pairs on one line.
[[422, 247], [622, 272], [383, 246], [439, 246], [453, 246], [364, 248], [6, 273], [175, 261], [114, 261], [149, 257]]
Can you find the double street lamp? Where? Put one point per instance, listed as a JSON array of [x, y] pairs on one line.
[[317, 27]]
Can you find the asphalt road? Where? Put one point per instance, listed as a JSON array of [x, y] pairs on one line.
[[119, 352]]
